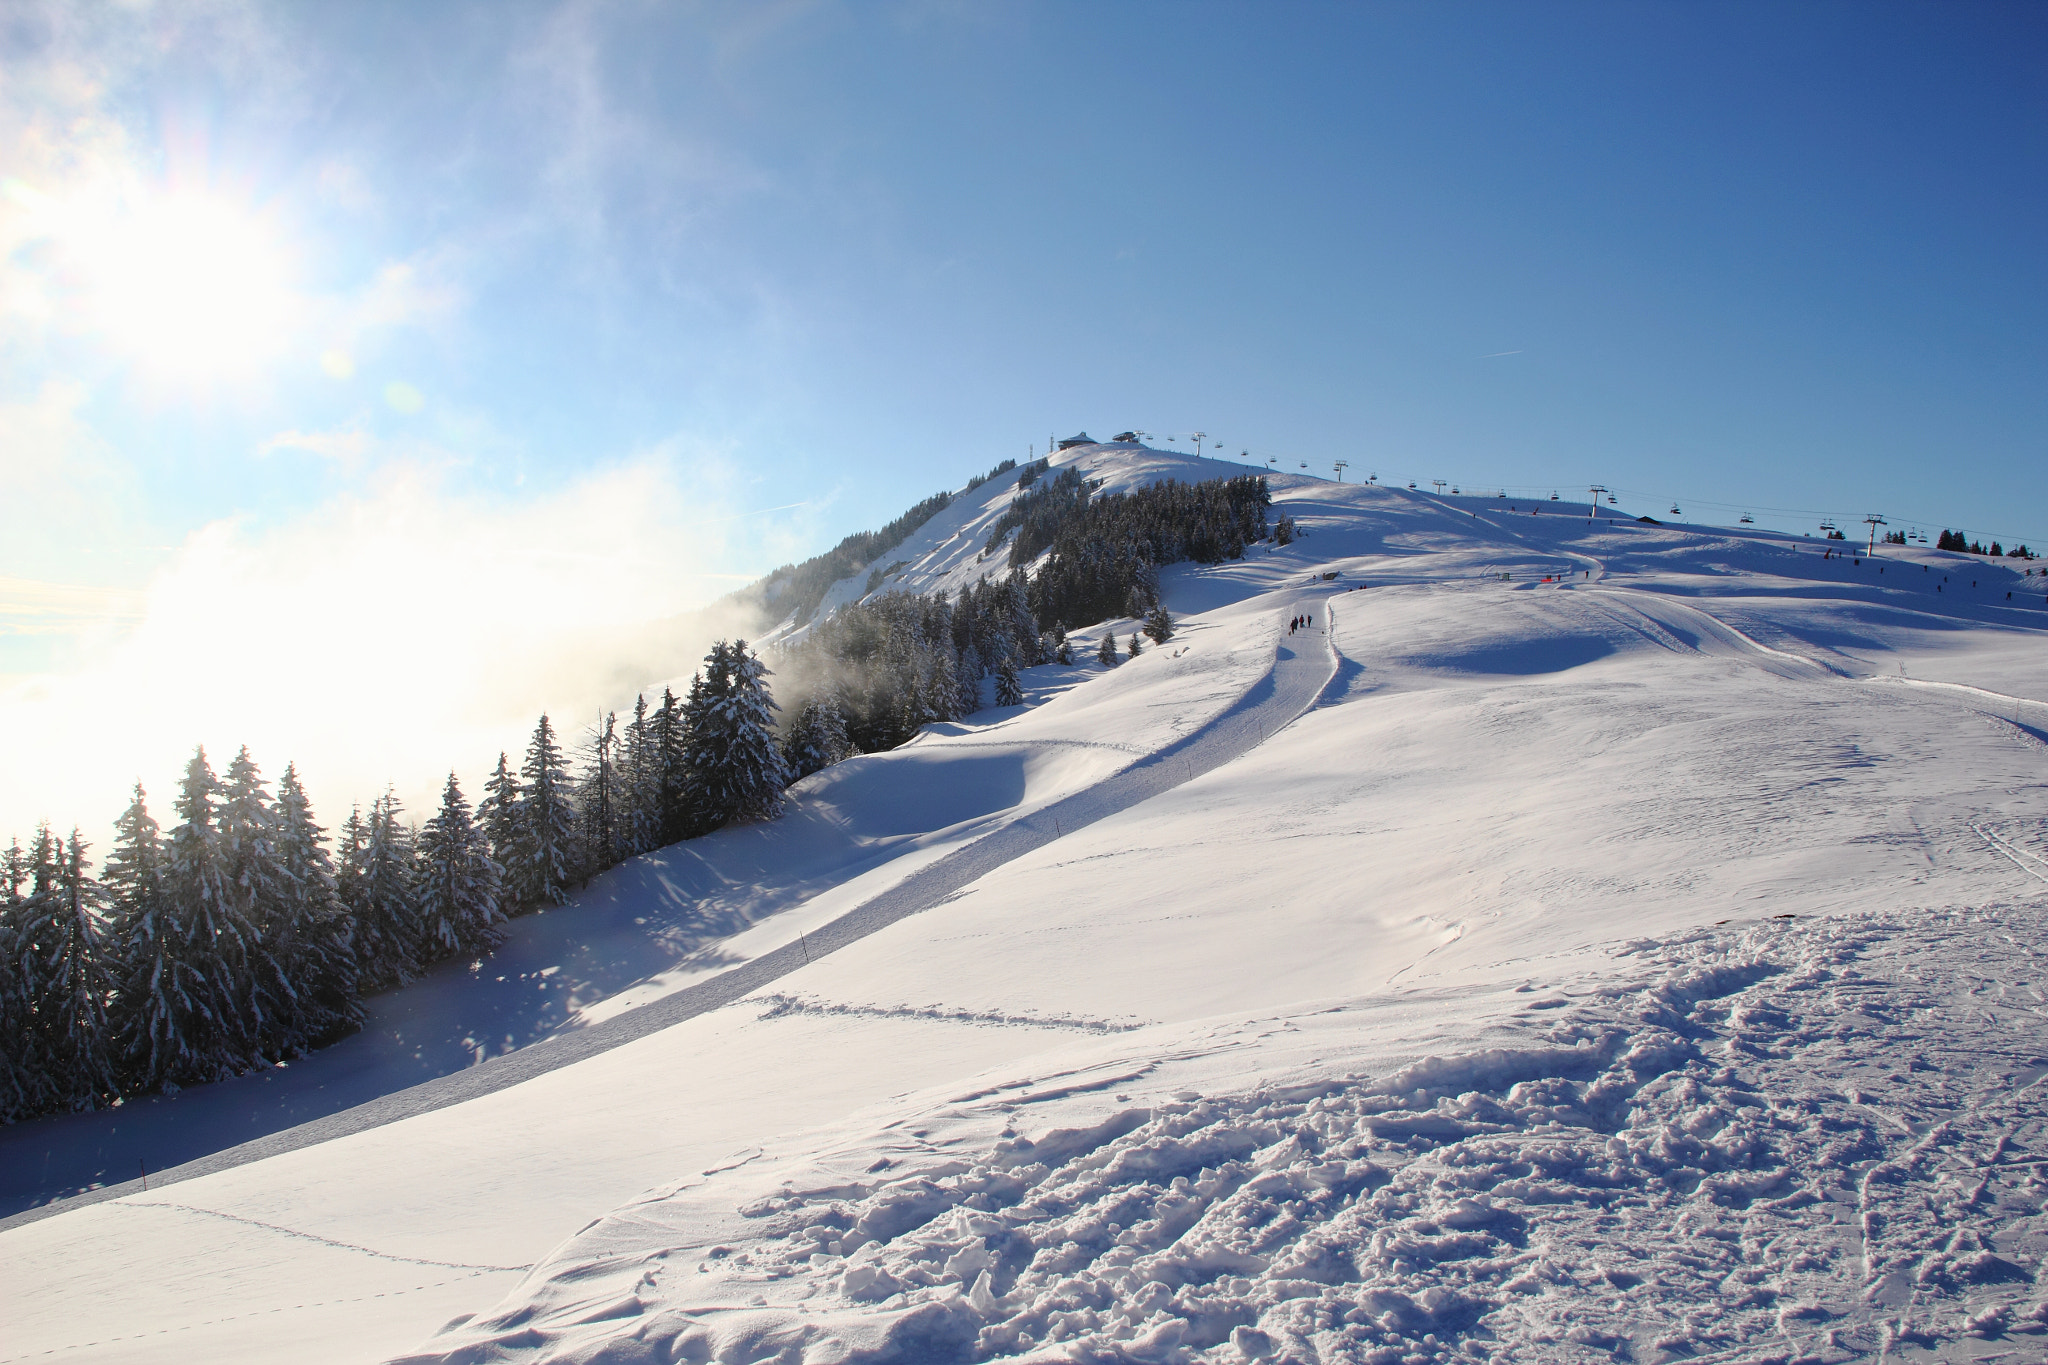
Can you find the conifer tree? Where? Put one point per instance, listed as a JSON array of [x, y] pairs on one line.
[[598, 801], [1135, 646], [21, 1080], [460, 889], [27, 1083], [308, 930], [736, 772], [220, 936], [186, 959], [1009, 691], [72, 984], [544, 860], [498, 813], [703, 742], [641, 781], [669, 738], [385, 912], [967, 683], [1063, 648], [13, 872], [1159, 625], [1107, 652], [255, 887], [153, 985], [816, 739]]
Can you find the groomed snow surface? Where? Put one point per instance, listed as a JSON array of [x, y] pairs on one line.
[[1642, 964]]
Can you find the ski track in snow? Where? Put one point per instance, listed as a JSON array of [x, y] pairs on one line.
[[182, 1328], [781, 1005], [310, 1236], [1821, 1141]]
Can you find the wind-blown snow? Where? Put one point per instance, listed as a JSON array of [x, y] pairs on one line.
[[1457, 1019]]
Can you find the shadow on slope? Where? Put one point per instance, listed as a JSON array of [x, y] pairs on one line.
[[668, 911]]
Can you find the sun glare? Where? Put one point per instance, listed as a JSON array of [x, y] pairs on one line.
[[193, 288]]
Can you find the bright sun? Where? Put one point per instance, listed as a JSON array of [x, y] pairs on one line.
[[193, 288]]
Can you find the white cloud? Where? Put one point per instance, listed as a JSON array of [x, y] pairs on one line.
[[344, 445]]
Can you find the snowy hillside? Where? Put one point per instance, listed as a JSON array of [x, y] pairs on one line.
[[1588, 940]]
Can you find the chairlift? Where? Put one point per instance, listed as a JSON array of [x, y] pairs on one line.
[[1828, 525], [1612, 501], [1748, 520], [1553, 497], [1674, 510], [1454, 488], [1411, 483]]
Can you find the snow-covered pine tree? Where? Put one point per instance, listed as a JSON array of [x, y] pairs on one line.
[[27, 1084], [210, 937], [498, 813], [598, 802], [704, 742], [941, 681], [308, 930], [816, 739], [640, 773], [1023, 626], [670, 741], [1009, 691], [967, 676], [1159, 625], [1107, 652], [13, 872], [460, 889], [72, 983], [351, 847], [385, 912], [544, 858], [1283, 530], [1135, 646], [739, 771], [155, 988], [1062, 647], [248, 854]]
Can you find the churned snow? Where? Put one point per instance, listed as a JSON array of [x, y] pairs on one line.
[[1642, 964]]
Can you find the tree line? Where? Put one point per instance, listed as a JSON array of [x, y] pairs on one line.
[[243, 935], [795, 591], [1961, 544], [237, 938], [874, 672]]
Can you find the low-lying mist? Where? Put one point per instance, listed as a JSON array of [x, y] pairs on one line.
[[387, 637]]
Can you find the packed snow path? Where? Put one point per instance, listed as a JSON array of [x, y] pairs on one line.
[[1821, 1141], [1304, 664]]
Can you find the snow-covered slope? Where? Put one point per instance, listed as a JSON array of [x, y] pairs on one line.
[[1635, 964]]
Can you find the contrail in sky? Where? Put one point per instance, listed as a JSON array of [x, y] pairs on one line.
[[1497, 354]]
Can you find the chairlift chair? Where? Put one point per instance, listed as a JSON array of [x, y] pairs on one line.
[[1675, 512], [1612, 501], [1748, 520]]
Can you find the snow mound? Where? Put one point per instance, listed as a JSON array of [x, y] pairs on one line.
[[1795, 1139]]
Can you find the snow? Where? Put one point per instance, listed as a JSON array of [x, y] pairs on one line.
[[1636, 966]]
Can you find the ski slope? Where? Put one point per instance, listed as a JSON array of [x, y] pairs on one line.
[[1638, 964]]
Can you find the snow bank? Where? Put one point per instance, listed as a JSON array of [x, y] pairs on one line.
[[1728, 1156]]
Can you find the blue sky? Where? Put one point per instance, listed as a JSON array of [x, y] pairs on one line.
[[361, 300]]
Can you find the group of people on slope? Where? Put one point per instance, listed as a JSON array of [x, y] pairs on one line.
[[1302, 622]]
